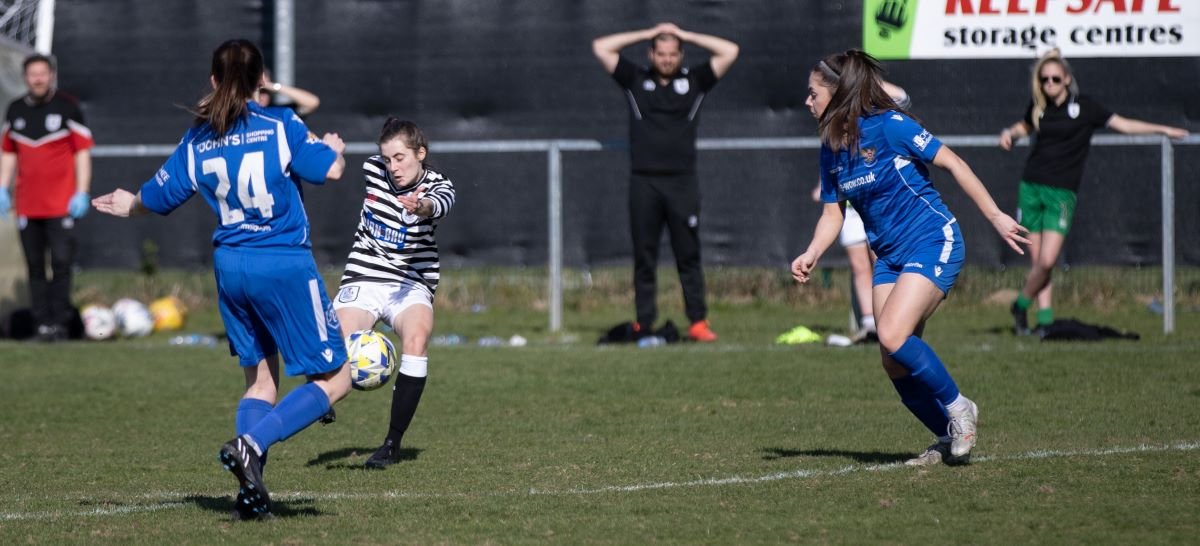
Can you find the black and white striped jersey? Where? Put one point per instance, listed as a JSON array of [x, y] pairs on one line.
[[391, 245]]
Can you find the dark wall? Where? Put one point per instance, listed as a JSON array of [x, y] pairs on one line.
[[523, 69]]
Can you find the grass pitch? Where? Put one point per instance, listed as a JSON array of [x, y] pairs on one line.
[[737, 442]]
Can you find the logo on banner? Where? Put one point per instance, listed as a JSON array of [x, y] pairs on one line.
[[891, 17]]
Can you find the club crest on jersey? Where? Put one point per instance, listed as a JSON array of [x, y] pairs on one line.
[[53, 122], [681, 86], [19, 124], [648, 85], [868, 155], [1073, 110]]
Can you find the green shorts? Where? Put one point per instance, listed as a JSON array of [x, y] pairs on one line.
[[1045, 208]]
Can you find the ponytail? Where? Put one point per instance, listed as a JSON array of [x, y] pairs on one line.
[[237, 69], [854, 76]]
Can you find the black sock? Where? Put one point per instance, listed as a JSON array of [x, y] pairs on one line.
[[406, 394]]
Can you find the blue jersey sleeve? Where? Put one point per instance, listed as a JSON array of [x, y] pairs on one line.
[[829, 193], [172, 185], [311, 158], [909, 138]]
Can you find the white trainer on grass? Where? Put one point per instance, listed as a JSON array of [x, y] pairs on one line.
[[962, 429], [933, 455]]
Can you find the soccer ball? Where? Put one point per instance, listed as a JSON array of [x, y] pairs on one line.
[[99, 322], [372, 359], [133, 319], [168, 313]]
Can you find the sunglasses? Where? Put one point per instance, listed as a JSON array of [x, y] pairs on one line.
[[1055, 79]]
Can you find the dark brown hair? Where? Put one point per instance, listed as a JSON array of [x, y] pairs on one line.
[[855, 78], [412, 135], [237, 68]]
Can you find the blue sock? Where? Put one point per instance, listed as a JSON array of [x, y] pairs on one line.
[[300, 408], [249, 412], [925, 407], [927, 369]]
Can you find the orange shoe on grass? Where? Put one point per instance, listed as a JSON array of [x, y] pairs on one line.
[[699, 331]]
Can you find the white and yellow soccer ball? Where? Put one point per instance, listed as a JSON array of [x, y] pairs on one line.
[[99, 322], [372, 359], [133, 318]]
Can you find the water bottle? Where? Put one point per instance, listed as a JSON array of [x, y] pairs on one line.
[[200, 340], [651, 341], [491, 341]]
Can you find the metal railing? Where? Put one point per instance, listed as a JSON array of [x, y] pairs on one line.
[[554, 149]]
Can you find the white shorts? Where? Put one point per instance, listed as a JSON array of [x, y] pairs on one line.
[[384, 300], [853, 230]]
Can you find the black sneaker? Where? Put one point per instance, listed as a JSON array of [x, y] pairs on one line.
[[1020, 321], [387, 454], [329, 418], [238, 457]]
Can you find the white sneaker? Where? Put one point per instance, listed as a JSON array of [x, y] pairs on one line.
[[962, 429], [933, 455]]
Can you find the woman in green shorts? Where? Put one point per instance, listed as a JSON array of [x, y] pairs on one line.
[[1062, 122]]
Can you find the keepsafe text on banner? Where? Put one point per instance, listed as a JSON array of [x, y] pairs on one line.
[[950, 29]]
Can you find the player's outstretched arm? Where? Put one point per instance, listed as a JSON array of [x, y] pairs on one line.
[[120, 203], [1012, 232], [1138, 127], [824, 234]]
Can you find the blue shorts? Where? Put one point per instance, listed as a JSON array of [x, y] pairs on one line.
[[938, 258], [274, 301]]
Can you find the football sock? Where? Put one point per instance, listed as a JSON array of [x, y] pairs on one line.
[[300, 408], [868, 323], [1045, 316], [1022, 302], [249, 412], [406, 394], [927, 369], [925, 407]]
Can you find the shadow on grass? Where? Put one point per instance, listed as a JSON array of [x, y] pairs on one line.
[[865, 457], [354, 457], [281, 509]]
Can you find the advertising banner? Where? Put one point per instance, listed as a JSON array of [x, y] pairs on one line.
[[978, 29]]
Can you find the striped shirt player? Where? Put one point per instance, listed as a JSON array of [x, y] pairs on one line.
[[390, 244], [393, 271]]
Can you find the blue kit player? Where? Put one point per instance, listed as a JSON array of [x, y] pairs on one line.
[[239, 158], [874, 156]]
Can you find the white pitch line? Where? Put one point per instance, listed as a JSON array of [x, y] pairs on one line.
[[707, 482]]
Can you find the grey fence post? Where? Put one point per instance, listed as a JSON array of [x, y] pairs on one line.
[[1168, 234], [554, 157]]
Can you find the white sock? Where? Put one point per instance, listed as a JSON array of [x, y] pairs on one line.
[[868, 323], [959, 404], [414, 366]]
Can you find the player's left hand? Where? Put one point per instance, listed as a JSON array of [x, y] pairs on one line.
[[78, 206], [1011, 231], [118, 203]]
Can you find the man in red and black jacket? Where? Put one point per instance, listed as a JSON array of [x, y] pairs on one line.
[[46, 146]]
